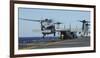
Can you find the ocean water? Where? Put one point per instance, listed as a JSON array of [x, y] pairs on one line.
[[36, 39]]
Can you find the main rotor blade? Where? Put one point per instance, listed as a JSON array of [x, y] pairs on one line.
[[79, 20], [82, 21], [30, 20], [58, 23]]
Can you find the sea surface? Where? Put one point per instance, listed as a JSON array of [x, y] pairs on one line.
[[36, 39]]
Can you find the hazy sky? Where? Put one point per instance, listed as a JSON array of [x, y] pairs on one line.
[[67, 17]]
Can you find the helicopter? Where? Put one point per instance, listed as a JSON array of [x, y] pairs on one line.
[[47, 26], [85, 26]]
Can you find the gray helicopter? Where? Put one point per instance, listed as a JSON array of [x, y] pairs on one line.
[[85, 27], [47, 26]]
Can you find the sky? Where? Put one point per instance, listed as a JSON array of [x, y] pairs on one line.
[[67, 17]]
